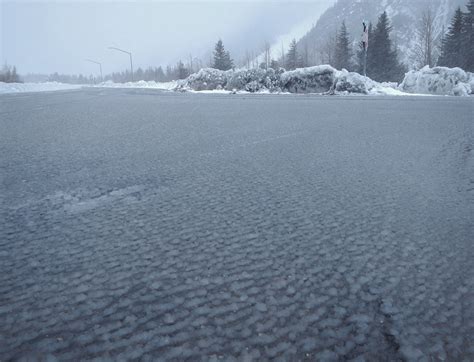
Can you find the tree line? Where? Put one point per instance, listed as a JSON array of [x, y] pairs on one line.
[[8, 74], [381, 58], [455, 48]]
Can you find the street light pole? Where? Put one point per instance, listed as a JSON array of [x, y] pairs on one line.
[[129, 53], [100, 66]]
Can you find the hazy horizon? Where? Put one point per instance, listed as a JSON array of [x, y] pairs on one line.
[[47, 37]]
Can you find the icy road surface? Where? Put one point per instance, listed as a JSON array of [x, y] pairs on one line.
[[141, 224]]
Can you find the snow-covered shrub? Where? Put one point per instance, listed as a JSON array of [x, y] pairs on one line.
[[462, 90], [253, 80], [353, 83], [438, 80], [207, 79], [316, 79]]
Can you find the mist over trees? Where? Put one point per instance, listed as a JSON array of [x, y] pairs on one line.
[[426, 47], [341, 49], [292, 57], [8, 74]]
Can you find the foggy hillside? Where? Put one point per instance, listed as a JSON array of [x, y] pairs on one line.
[[404, 16]]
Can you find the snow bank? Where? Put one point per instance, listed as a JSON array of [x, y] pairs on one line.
[[254, 80], [318, 79], [140, 84], [349, 82], [438, 80], [35, 87], [206, 79]]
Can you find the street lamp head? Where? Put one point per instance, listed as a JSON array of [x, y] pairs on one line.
[[120, 50]]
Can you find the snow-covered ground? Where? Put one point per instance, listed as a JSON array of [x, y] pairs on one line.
[[140, 84], [35, 87], [322, 79]]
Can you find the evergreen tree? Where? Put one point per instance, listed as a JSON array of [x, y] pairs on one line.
[[159, 75], [14, 76], [222, 59], [229, 63], [292, 57], [468, 45], [139, 74], [182, 71], [382, 58], [343, 51], [452, 47]]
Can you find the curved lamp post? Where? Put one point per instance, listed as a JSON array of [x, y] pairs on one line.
[[129, 53], [100, 66]]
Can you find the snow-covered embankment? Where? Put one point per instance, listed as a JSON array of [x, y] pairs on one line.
[[6, 88], [322, 79], [440, 81]]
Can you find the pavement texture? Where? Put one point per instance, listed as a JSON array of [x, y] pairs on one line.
[[161, 226]]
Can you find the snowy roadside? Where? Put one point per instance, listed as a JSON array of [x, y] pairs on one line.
[[169, 86], [322, 79], [7, 88]]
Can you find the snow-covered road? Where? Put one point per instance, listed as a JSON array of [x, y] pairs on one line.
[[145, 224]]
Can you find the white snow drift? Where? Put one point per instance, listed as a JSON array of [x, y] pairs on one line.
[[140, 84], [322, 79], [35, 87], [318, 79], [439, 80]]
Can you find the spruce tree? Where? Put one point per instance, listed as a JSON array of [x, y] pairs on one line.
[[343, 51], [222, 59], [451, 49], [181, 71], [382, 58], [292, 57], [14, 76], [468, 45]]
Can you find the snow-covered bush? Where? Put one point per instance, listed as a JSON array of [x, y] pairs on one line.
[[316, 79], [353, 83], [253, 80], [462, 90], [438, 80], [207, 79]]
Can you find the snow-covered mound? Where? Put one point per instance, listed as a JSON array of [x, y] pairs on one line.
[[318, 79], [206, 79], [438, 80], [254, 80], [35, 87], [353, 83], [140, 84]]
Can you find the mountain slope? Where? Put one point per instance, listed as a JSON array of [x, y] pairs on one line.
[[404, 16]]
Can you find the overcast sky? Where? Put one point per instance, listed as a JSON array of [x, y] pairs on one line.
[[50, 36]]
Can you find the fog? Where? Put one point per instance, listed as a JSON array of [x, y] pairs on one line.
[[57, 36]]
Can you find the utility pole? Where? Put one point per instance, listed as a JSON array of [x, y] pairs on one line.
[[130, 54], [100, 66], [365, 42]]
